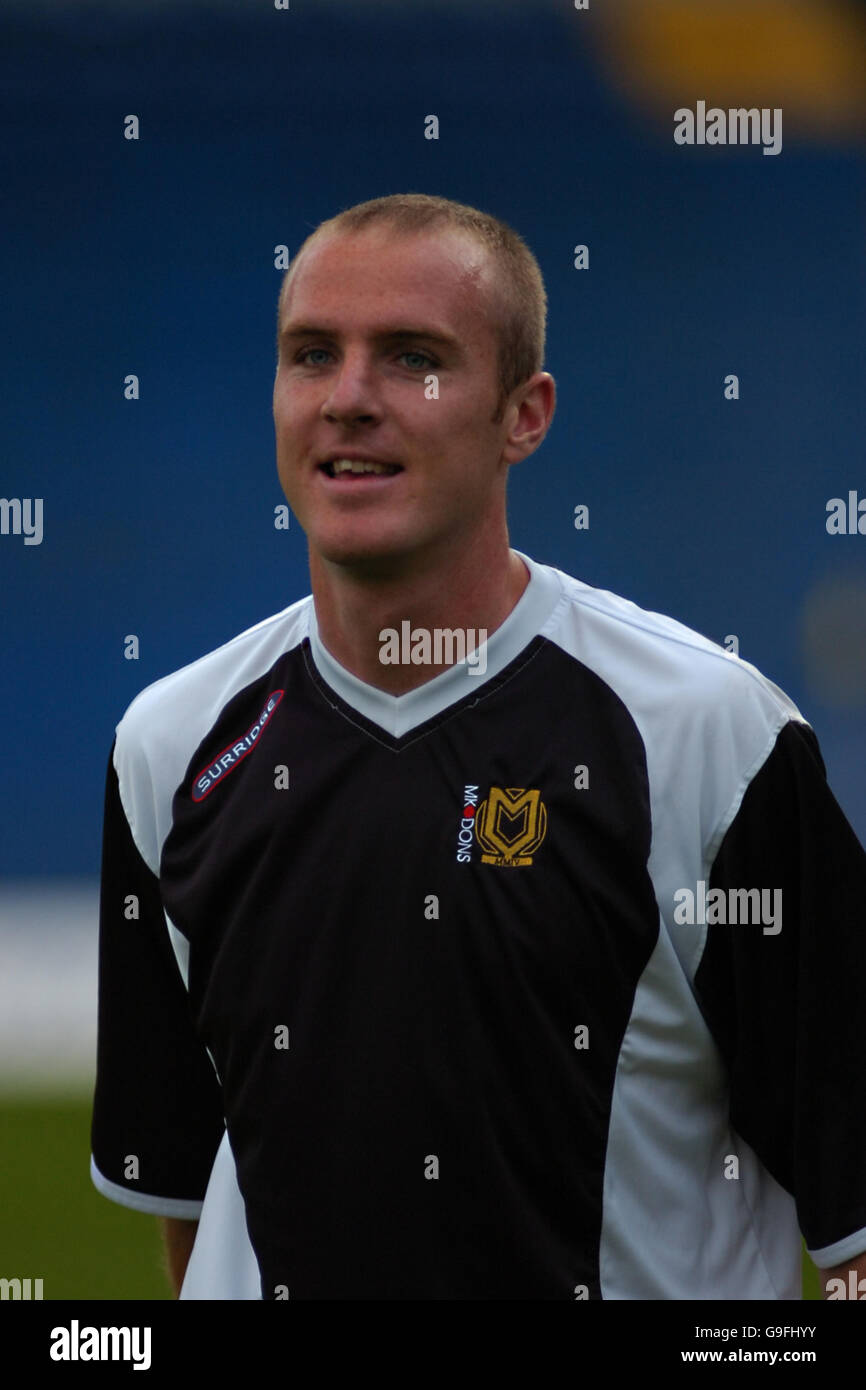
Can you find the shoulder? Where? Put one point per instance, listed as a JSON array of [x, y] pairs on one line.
[[658, 665], [708, 720], [166, 722], [217, 674]]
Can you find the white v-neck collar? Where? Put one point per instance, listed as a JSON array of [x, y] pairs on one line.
[[398, 714]]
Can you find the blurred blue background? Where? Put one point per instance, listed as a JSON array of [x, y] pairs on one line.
[[156, 257]]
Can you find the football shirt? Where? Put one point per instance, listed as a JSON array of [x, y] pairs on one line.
[[544, 981]]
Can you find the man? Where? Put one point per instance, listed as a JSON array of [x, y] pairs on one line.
[[532, 976]]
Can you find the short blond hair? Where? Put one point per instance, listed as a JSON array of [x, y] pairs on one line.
[[520, 317]]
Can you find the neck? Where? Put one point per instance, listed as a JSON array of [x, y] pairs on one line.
[[471, 592]]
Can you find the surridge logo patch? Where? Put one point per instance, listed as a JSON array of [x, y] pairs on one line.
[[226, 761]]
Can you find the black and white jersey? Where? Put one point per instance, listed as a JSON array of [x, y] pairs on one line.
[[545, 981]]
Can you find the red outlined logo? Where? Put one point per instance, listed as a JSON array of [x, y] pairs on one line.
[[226, 761]]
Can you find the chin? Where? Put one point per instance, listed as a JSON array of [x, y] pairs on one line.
[[372, 554]]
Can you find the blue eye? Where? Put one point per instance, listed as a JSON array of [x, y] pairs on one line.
[[302, 356]]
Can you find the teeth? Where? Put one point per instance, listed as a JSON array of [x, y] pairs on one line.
[[360, 466]]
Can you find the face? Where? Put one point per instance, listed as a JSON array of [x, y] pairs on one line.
[[369, 317]]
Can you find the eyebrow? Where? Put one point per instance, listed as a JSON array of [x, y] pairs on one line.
[[393, 334]]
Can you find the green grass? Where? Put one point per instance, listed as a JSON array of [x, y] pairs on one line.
[[811, 1286], [55, 1226]]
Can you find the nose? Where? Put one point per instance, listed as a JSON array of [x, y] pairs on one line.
[[353, 397]]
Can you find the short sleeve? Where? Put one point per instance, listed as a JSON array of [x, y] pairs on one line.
[[785, 995], [158, 1111]]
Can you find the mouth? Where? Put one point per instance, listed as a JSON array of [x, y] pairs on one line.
[[350, 470]]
